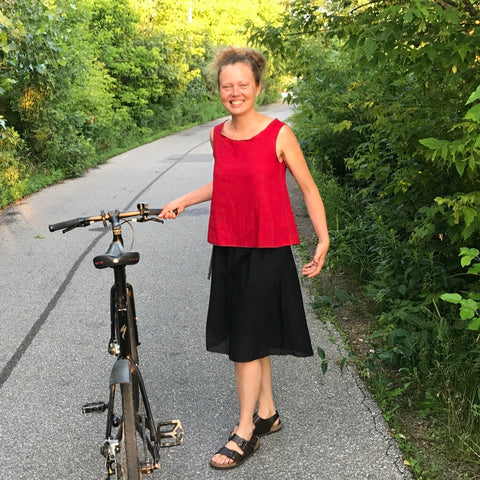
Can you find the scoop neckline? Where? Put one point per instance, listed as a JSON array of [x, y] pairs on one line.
[[246, 139]]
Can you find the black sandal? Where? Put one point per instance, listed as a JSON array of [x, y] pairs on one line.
[[263, 426], [266, 426], [249, 447]]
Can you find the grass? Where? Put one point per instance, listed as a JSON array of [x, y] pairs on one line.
[[38, 178], [29, 177], [432, 449], [433, 445]]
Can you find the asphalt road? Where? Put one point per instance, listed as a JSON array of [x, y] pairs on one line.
[[55, 327]]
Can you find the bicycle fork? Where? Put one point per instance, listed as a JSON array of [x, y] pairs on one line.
[[126, 371], [164, 434]]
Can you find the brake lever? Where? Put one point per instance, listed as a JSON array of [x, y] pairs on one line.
[[149, 219]]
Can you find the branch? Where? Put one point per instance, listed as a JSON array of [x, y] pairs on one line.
[[470, 8], [364, 5], [467, 4], [446, 4]]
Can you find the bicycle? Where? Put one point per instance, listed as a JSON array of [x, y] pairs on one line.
[[132, 440]]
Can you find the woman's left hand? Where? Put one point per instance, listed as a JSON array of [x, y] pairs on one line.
[[313, 268]]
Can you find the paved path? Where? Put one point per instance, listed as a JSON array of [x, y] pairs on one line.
[[54, 325]]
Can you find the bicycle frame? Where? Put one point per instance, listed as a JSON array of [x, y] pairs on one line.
[[124, 332], [136, 423]]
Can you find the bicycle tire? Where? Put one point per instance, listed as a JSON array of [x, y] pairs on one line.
[[128, 465], [146, 457], [131, 469], [132, 336], [137, 455]]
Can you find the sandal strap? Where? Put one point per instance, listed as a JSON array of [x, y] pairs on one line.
[[246, 445], [248, 448], [265, 423], [232, 454], [242, 443]]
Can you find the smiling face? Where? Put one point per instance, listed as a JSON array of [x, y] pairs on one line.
[[238, 89]]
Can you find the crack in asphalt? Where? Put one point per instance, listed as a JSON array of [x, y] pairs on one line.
[[379, 426], [37, 326]]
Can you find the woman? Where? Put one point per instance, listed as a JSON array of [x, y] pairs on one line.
[[255, 307]]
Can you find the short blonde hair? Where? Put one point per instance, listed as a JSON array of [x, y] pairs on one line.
[[231, 55]]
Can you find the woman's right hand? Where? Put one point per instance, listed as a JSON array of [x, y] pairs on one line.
[[175, 207], [171, 210]]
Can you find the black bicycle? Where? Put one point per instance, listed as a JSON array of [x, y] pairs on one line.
[[132, 439]]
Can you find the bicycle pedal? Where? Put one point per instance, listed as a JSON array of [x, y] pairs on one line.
[[170, 434], [95, 407], [148, 469]]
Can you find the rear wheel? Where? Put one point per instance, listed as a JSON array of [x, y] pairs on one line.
[[145, 429], [137, 452], [128, 464], [127, 460]]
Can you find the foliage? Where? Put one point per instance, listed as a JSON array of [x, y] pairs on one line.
[[460, 211], [12, 181], [39, 73], [143, 76], [469, 306], [388, 114], [81, 78], [385, 105]]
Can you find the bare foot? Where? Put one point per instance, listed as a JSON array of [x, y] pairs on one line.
[[219, 459]]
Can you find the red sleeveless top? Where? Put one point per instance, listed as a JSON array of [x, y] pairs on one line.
[[250, 204]]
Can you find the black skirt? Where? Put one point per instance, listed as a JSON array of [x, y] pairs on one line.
[[256, 307]]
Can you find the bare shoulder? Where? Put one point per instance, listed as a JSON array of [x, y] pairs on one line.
[[261, 122], [287, 143]]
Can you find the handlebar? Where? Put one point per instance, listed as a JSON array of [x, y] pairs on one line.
[[143, 212]]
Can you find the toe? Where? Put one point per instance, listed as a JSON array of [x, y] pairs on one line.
[[219, 459]]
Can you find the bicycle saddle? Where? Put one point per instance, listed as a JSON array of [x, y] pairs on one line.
[[116, 256]]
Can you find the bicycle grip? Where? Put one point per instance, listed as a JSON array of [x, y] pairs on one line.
[[154, 211], [74, 222]]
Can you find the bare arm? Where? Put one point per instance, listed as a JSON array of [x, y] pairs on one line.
[[202, 194], [288, 150]]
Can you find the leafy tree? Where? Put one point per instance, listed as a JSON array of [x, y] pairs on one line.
[[78, 78], [139, 67], [385, 103], [41, 74], [195, 30]]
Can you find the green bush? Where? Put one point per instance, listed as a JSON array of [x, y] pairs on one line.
[[385, 105], [13, 177]]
